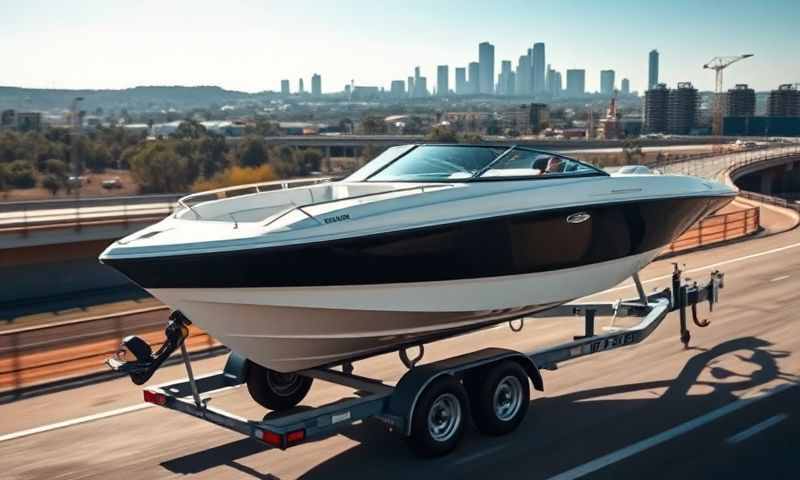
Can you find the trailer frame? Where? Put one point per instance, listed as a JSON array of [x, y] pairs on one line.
[[395, 405]]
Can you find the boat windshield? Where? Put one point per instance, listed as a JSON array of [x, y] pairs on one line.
[[453, 163]]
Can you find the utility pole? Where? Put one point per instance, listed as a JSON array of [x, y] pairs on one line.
[[75, 134], [718, 64]]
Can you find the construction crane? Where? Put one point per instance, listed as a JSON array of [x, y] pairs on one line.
[[718, 64]]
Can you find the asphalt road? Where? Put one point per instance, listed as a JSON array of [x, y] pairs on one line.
[[654, 410]]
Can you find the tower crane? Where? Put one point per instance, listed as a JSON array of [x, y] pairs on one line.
[[718, 64]]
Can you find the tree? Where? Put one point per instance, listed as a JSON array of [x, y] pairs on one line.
[[56, 167], [311, 161], [52, 183], [20, 174], [189, 129], [632, 151], [373, 125], [442, 135], [252, 152], [159, 169]]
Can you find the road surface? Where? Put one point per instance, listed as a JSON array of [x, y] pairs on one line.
[[726, 408]]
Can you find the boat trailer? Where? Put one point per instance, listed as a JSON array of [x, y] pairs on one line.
[[430, 402]]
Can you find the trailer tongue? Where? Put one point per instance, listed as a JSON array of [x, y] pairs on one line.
[[431, 402]]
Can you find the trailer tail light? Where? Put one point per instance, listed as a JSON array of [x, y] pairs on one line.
[[271, 438], [296, 436], [155, 397]]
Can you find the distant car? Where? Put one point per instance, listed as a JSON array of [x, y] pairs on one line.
[[636, 170], [111, 183]]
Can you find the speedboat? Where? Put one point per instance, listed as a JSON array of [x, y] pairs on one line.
[[422, 243]]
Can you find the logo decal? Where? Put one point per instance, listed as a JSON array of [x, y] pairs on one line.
[[579, 217], [337, 218]]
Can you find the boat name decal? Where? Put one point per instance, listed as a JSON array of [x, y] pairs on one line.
[[337, 218], [579, 217]]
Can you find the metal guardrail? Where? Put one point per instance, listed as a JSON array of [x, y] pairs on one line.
[[718, 228], [40, 354]]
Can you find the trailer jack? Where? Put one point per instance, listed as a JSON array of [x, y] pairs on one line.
[[144, 362]]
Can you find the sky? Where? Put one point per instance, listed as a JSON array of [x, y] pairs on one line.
[[252, 45]]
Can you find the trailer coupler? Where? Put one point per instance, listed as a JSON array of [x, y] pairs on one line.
[[136, 358]]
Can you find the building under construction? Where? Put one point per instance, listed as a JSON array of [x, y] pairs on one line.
[[671, 110], [741, 101], [784, 102], [655, 109]]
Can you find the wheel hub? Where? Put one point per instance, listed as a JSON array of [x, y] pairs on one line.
[[444, 417], [507, 398]]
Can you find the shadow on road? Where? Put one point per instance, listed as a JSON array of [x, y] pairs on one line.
[[559, 432]]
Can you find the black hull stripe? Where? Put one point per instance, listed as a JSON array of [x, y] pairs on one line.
[[509, 245]]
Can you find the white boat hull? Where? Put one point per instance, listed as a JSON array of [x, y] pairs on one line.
[[295, 328]]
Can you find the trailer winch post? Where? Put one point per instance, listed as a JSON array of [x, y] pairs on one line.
[[190, 373]]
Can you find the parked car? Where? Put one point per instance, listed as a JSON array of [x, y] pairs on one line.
[[112, 183]]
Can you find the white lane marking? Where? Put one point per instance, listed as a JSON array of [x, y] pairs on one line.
[[755, 429], [778, 279], [74, 421], [706, 267], [477, 455], [99, 416], [662, 437]]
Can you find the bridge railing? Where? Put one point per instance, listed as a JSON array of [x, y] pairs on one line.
[[718, 228], [27, 217]]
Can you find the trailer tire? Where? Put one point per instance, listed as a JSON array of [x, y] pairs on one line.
[[276, 391], [499, 395], [440, 413]]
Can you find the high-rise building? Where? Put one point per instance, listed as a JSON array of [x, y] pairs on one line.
[[576, 82], [474, 72], [486, 73], [410, 85], [625, 88], [784, 102], [523, 76], [537, 64], [607, 82], [420, 84], [504, 85], [652, 78], [682, 109], [741, 101], [442, 82], [300, 87], [655, 109], [461, 81], [316, 85], [398, 89], [285, 87]]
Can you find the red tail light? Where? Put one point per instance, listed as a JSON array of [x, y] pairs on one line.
[[295, 436], [271, 438], [155, 397]]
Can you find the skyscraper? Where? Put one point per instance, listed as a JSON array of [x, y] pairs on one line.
[[576, 82], [741, 101], [523, 77], [537, 64], [652, 79], [410, 86], [285, 87], [656, 100], [486, 74], [300, 87], [784, 102], [553, 80], [504, 85], [474, 77], [462, 87], [316, 85], [607, 82], [398, 89], [442, 83], [625, 88]]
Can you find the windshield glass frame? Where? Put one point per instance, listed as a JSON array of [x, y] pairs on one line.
[[589, 170]]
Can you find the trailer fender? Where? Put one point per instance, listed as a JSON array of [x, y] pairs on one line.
[[235, 371], [414, 382]]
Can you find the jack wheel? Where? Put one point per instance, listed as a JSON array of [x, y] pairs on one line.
[[437, 424], [499, 395], [276, 391]]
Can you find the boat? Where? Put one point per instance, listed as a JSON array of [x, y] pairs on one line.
[[423, 242]]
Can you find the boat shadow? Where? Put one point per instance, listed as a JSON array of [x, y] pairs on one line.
[[380, 454]]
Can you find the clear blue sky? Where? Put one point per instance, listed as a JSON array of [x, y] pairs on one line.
[[251, 45]]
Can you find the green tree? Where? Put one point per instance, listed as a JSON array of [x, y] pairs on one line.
[[159, 169], [52, 183], [251, 151], [56, 167], [20, 174], [189, 129], [442, 135], [373, 125]]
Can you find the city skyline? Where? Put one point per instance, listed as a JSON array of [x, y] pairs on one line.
[[250, 46]]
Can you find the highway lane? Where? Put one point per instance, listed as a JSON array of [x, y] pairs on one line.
[[591, 408]]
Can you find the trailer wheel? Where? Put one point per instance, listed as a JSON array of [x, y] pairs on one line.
[[275, 390], [499, 395], [438, 420]]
